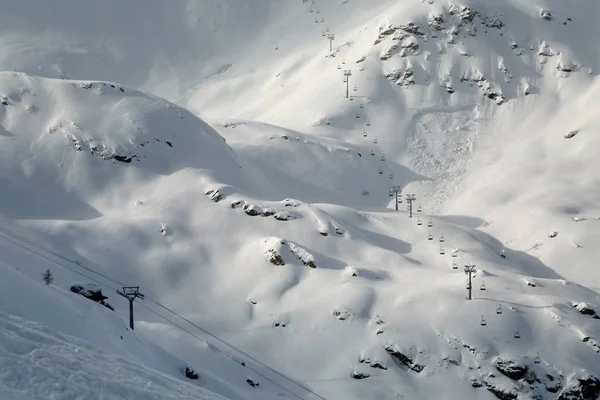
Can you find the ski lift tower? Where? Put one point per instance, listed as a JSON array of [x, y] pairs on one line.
[[131, 293]]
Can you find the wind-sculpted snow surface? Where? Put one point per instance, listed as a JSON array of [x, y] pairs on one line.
[[277, 229]]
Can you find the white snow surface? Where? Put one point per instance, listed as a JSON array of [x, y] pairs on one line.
[[485, 109]]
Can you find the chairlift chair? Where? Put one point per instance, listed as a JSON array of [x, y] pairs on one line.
[[322, 20], [391, 176], [419, 222], [316, 20], [318, 11], [361, 105], [357, 115], [430, 223], [455, 253], [355, 88], [368, 122], [482, 287], [400, 200], [419, 209], [340, 67], [391, 193], [454, 265], [429, 236], [311, 10], [499, 309], [517, 334], [380, 171], [324, 34], [364, 133], [483, 322], [372, 152], [382, 158], [375, 140], [442, 238], [327, 29], [537, 359], [468, 286], [442, 252], [343, 61]]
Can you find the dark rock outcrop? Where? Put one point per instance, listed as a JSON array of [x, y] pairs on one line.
[[92, 292], [190, 373], [511, 369], [581, 387], [403, 360]]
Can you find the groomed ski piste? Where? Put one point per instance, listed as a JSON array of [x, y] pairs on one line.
[[207, 153]]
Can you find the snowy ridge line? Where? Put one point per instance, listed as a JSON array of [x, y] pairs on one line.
[[18, 237]]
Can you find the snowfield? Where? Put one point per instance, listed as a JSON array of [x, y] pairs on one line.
[[206, 152]]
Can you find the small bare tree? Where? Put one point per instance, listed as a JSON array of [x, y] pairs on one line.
[[47, 277]]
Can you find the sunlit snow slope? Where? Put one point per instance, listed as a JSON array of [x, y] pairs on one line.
[[283, 239]]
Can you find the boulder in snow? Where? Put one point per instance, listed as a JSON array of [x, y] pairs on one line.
[[91, 291]]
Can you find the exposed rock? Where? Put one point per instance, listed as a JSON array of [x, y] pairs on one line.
[[274, 257], [499, 392], [546, 15], [359, 375], [341, 315], [214, 195], [377, 365], [252, 209], [291, 203], [237, 203], [91, 291], [252, 382], [403, 360], [363, 58], [581, 387], [511, 369], [585, 309], [283, 216], [190, 373], [301, 254]]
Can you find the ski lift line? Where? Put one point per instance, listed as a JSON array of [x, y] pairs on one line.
[[32, 243], [56, 262], [223, 352], [161, 306]]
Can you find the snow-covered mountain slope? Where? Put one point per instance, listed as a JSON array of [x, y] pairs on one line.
[[278, 240]]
